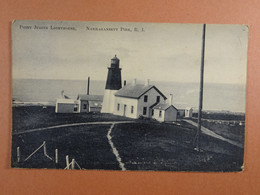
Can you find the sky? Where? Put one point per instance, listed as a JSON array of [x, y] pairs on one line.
[[157, 51]]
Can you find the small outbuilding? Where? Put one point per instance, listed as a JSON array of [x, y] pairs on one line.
[[67, 106], [184, 110], [188, 112], [164, 112], [90, 103], [83, 104]]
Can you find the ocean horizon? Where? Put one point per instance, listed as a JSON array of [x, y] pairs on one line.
[[220, 97]]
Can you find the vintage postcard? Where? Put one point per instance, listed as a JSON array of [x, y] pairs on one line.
[[128, 96]]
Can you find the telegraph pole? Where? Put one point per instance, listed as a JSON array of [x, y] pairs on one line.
[[88, 86], [196, 141]]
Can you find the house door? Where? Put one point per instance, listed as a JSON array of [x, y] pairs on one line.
[[124, 110]]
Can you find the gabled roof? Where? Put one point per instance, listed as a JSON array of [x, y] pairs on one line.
[[163, 106], [67, 101], [182, 106], [90, 97], [136, 91], [153, 105]]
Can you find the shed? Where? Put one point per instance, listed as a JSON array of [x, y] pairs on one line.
[[188, 112], [67, 106], [164, 112], [90, 103], [184, 110]]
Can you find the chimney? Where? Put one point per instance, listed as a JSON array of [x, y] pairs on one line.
[[170, 99], [62, 94], [134, 82], [147, 82], [88, 86], [124, 82]]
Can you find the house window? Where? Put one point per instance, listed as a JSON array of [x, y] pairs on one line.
[[132, 109], [160, 113], [84, 106], [118, 106], [144, 110], [158, 99], [75, 108], [145, 98], [152, 112]]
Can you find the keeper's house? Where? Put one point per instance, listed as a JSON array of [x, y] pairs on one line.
[[135, 100]]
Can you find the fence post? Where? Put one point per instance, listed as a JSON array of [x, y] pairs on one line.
[[44, 148], [18, 154], [56, 156], [73, 164], [67, 161]]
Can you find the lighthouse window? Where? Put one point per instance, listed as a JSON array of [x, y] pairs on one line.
[[84, 106], [160, 113], [118, 106], [145, 98]]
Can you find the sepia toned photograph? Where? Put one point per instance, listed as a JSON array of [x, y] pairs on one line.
[[128, 96]]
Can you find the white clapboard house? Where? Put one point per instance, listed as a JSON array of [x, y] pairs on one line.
[[135, 100]]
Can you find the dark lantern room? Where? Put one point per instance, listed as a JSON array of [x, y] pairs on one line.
[[114, 81]]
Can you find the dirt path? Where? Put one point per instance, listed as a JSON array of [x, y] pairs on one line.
[[115, 151], [213, 134], [71, 125]]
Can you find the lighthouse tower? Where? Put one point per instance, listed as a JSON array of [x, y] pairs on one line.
[[113, 84]]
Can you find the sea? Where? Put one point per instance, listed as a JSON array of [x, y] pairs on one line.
[[216, 97]]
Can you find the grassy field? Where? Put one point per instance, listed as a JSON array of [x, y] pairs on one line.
[[30, 117], [153, 146], [142, 145], [225, 124], [88, 145], [233, 132]]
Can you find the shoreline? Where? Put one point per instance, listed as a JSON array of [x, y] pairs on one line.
[[25, 104]]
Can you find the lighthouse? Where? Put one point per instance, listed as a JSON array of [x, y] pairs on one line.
[[113, 84]]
